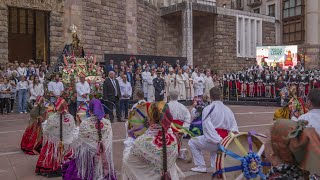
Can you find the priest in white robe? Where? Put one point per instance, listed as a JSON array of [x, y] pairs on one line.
[[208, 84], [145, 75], [181, 85], [217, 121], [189, 84], [150, 87], [170, 81], [198, 85]]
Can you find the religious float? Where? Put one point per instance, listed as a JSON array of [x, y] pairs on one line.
[[72, 64]]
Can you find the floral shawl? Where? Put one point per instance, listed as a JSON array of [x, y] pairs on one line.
[[92, 163]]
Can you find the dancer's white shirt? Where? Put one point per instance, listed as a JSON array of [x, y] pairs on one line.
[[313, 117], [221, 117], [180, 112]]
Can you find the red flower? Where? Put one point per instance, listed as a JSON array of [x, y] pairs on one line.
[[97, 126], [66, 120], [158, 139]]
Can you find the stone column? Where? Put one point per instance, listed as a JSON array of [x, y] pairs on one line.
[[131, 24], [4, 33], [187, 34]]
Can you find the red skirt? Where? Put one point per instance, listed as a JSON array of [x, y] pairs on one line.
[[31, 143], [47, 162]]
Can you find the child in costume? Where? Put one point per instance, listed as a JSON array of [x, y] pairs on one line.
[[196, 113]]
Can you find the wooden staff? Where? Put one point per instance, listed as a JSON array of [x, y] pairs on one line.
[[165, 175]]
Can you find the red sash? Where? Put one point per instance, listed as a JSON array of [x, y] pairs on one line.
[[222, 132], [177, 122]]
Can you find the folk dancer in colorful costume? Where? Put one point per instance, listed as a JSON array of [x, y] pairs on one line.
[[292, 106], [303, 85], [150, 158], [243, 86], [226, 80], [267, 84], [217, 121], [296, 104], [259, 82], [93, 148], [251, 85], [31, 141], [196, 114], [181, 120], [58, 133], [293, 151], [233, 84]]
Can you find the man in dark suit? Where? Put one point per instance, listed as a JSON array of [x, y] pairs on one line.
[[129, 76], [112, 94], [158, 84], [109, 67]]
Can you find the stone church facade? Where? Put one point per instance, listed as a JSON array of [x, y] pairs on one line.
[[204, 33]]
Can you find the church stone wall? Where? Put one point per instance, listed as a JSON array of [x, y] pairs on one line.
[[169, 36], [222, 56], [203, 41], [4, 33], [147, 18], [104, 27]]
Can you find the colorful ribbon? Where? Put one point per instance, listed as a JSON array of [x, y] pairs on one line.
[[251, 164]]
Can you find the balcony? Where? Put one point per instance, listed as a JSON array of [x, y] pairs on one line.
[[167, 3], [238, 4], [254, 3]]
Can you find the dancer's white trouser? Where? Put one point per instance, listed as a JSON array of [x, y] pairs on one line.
[[199, 144]]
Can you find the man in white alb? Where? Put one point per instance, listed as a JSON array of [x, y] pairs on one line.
[[83, 90], [217, 121], [55, 87], [313, 116], [145, 76]]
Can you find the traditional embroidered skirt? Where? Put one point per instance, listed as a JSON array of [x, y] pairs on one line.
[[31, 141], [49, 162], [70, 172]]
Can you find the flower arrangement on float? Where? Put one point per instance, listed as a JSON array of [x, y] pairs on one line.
[[86, 66]]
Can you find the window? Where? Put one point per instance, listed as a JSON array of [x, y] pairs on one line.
[[249, 35], [21, 21], [272, 10], [292, 8], [293, 31], [257, 11]]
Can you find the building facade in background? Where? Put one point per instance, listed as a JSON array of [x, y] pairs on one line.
[[214, 34], [297, 23]]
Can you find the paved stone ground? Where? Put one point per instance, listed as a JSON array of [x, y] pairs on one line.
[[14, 165]]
